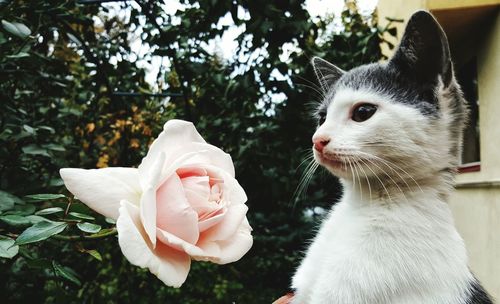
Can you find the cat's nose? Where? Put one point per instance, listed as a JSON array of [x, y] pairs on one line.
[[320, 143]]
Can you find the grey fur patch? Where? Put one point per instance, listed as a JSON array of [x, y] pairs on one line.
[[478, 295], [386, 80]]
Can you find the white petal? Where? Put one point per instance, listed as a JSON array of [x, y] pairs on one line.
[[103, 189], [211, 220], [148, 213], [224, 230], [209, 155], [169, 265], [230, 250], [173, 212], [174, 241], [233, 192], [178, 139], [175, 133], [150, 183]]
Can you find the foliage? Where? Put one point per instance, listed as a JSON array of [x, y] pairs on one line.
[[61, 67]]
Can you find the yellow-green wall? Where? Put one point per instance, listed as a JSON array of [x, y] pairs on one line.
[[476, 202]]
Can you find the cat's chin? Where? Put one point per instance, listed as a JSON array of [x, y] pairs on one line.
[[335, 166]]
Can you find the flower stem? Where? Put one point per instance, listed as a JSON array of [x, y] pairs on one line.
[[75, 238]]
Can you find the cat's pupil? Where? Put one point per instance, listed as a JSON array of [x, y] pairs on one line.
[[363, 112]]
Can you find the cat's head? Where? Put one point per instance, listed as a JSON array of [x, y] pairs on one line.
[[399, 118]]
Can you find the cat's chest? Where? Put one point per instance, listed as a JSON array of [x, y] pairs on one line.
[[381, 243], [376, 248]]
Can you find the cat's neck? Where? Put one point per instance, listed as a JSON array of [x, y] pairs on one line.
[[396, 190]]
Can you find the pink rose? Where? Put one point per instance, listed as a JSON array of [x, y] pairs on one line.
[[182, 203]]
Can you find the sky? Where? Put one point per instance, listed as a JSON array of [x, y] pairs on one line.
[[316, 8], [225, 45]]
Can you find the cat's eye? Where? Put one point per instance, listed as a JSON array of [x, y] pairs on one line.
[[363, 112], [321, 118]]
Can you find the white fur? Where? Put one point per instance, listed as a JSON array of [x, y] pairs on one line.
[[391, 239]]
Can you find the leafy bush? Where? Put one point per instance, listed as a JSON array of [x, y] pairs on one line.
[[62, 68]]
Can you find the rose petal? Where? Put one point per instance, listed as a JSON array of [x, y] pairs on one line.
[[169, 265], [171, 166], [148, 199], [200, 203], [148, 213], [232, 190], [174, 214], [102, 189], [175, 133], [232, 220], [175, 242], [232, 249], [211, 221], [191, 171], [199, 185], [211, 155]]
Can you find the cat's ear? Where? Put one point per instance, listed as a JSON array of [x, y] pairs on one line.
[[424, 52], [326, 72]]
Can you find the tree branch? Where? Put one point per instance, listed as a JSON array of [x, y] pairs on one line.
[[146, 8]]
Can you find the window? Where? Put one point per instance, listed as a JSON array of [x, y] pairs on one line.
[[467, 78]]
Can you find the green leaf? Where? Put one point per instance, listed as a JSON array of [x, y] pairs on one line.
[[88, 227], [110, 221], [55, 147], [47, 128], [17, 29], [74, 39], [56, 182], [18, 55], [35, 219], [15, 220], [35, 263], [82, 216], [51, 210], [35, 150], [8, 200], [22, 210], [29, 129], [40, 231], [95, 254], [44, 197], [8, 248], [66, 273], [103, 231]]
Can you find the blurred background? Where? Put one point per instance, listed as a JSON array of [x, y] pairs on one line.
[[89, 83]]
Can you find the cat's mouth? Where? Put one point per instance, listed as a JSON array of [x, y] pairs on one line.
[[335, 161]]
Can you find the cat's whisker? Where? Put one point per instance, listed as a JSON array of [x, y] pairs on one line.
[[394, 166], [390, 177], [322, 84], [320, 96], [305, 180], [359, 179], [366, 176], [379, 180], [311, 85], [307, 158], [352, 175]]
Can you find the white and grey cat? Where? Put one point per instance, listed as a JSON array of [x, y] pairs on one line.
[[391, 132]]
